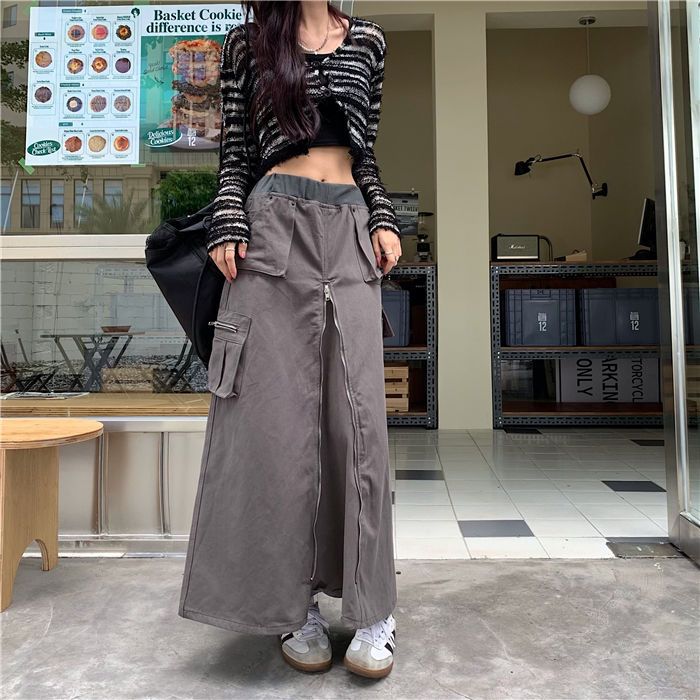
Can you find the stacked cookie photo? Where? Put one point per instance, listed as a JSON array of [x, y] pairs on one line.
[[196, 107]]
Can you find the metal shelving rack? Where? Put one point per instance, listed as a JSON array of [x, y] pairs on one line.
[[498, 353], [426, 353]]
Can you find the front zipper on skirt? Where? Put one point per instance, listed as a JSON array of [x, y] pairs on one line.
[[326, 297], [329, 297]]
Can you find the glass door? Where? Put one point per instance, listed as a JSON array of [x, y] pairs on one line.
[[675, 62]]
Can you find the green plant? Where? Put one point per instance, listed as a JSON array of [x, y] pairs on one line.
[[123, 216], [14, 98], [183, 192]]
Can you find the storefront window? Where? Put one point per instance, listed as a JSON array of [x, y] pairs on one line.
[[111, 123], [31, 203]]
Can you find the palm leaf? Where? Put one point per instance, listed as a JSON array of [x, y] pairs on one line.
[[124, 216]]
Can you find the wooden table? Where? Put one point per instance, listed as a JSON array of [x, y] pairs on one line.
[[29, 488], [91, 346]]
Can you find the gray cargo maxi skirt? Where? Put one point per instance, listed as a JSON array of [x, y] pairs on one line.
[[294, 494]]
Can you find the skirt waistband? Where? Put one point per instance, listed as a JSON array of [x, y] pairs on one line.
[[309, 188]]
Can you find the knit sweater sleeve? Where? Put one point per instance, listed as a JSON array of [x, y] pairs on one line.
[[229, 221], [366, 171]]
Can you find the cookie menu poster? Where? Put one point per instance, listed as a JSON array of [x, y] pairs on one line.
[[104, 80]]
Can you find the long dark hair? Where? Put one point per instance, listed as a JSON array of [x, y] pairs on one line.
[[280, 65]]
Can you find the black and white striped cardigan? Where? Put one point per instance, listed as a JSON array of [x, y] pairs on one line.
[[353, 74]]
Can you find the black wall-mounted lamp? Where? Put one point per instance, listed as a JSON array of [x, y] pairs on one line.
[[522, 167]]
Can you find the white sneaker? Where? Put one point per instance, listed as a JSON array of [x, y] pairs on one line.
[[371, 651], [309, 648]]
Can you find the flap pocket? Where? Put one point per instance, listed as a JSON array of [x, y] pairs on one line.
[[271, 218], [226, 364], [365, 253]]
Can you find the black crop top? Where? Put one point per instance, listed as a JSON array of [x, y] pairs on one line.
[[333, 130]]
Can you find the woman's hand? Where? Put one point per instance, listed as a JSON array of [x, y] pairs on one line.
[[224, 256], [387, 245]]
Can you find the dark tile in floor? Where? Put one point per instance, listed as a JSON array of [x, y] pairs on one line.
[[633, 486], [528, 431], [638, 540], [420, 474], [637, 548], [495, 528], [649, 443]]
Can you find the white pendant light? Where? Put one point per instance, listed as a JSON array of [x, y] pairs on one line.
[[590, 94]]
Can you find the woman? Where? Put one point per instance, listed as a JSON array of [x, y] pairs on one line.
[[294, 495]]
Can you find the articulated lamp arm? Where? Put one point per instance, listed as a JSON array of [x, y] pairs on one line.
[[524, 167]]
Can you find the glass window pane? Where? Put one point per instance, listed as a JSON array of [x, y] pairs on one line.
[[6, 189], [82, 204], [58, 189], [9, 16], [113, 192], [31, 201], [122, 338]]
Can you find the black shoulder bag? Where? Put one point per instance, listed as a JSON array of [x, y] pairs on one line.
[[177, 258]]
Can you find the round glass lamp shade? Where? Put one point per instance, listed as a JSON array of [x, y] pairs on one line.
[[589, 94]]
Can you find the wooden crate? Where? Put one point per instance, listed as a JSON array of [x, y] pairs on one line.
[[396, 387], [127, 379]]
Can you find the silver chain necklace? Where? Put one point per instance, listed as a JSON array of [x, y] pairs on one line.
[[324, 41]]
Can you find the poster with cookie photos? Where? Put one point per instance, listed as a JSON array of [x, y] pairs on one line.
[[180, 82], [83, 81], [109, 83]]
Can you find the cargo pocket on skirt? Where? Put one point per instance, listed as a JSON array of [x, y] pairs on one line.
[[271, 217], [363, 245], [226, 365]]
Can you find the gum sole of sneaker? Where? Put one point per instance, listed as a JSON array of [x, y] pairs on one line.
[[366, 672], [309, 668]]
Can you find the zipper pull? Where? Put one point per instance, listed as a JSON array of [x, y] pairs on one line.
[[222, 324], [326, 291]]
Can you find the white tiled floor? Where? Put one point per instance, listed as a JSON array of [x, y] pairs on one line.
[[551, 482]]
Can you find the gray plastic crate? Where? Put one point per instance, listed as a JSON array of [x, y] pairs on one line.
[[540, 317], [397, 305], [619, 316]]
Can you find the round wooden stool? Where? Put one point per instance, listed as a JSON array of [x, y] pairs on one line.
[[29, 488]]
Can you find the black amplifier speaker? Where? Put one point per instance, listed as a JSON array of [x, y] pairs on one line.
[[515, 246]]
